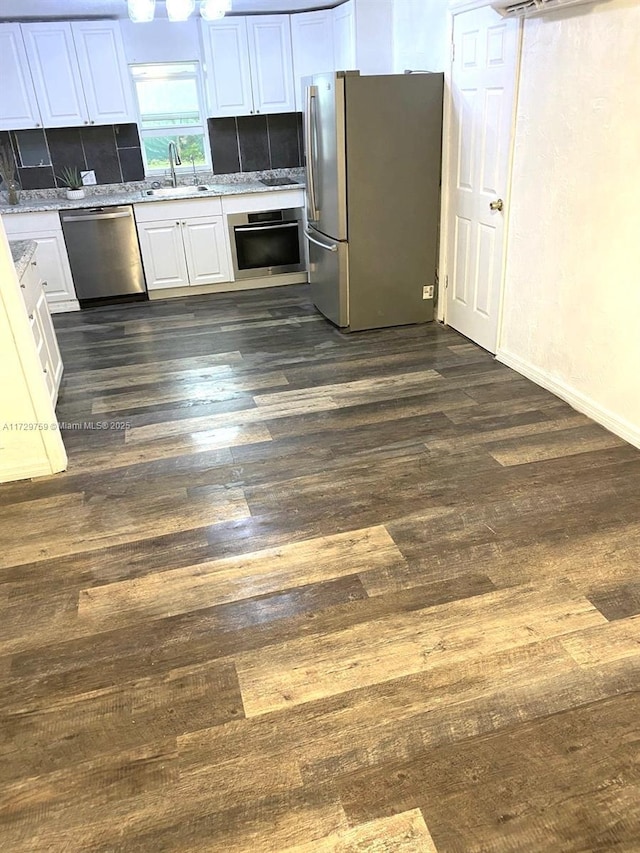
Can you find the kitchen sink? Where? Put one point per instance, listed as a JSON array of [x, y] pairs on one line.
[[177, 191]]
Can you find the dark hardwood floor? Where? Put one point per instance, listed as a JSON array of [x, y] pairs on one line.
[[324, 593]]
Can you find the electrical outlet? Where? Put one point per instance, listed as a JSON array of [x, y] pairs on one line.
[[427, 291], [88, 177]]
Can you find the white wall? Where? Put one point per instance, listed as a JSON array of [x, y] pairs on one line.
[[571, 314], [420, 32], [161, 40]]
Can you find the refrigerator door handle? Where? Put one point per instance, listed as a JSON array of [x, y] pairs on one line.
[[310, 153], [330, 248]]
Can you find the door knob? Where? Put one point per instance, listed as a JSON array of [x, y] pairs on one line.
[[498, 204]]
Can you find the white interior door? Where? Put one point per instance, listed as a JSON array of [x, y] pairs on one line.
[[483, 75]]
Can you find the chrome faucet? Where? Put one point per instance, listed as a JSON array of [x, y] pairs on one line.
[[174, 160]]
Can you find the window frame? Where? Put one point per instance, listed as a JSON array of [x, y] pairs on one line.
[[200, 129]]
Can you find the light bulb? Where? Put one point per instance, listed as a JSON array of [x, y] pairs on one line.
[[212, 10], [141, 11], [179, 10]]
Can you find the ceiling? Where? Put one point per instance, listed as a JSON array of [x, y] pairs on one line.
[[40, 10]]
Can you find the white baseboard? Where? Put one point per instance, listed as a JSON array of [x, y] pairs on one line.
[[229, 286], [617, 425], [22, 471], [63, 307]]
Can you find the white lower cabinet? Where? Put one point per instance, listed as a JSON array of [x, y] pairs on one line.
[[205, 245], [182, 252], [42, 329], [53, 262], [163, 257]]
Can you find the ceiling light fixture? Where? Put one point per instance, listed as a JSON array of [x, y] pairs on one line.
[[141, 11], [212, 10], [179, 10]]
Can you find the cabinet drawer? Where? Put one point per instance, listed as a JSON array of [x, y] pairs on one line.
[[31, 223], [276, 200], [154, 211]]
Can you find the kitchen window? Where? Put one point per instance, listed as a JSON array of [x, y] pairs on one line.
[[170, 109]]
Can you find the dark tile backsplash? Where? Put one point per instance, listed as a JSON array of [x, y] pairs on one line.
[[256, 143], [131, 164], [283, 140], [225, 149], [101, 154], [243, 144], [112, 151]]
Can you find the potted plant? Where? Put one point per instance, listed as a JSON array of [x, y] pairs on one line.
[[10, 181], [70, 175]]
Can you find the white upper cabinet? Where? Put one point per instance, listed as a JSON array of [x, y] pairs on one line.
[[55, 73], [226, 55], [249, 65], [344, 36], [103, 71], [312, 44], [271, 63], [18, 104], [64, 74], [363, 36]]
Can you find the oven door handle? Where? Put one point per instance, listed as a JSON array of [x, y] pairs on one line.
[[264, 227], [330, 248]]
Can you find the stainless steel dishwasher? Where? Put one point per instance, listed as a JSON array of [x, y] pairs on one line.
[[104, 254]]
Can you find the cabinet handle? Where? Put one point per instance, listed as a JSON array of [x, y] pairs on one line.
[[184, 223], [86, 122], [34, 263], [177, 223], [93, 122], [38, 125], [44, 369], [257, 112], [23, 286], [45, 284], [31, 316]]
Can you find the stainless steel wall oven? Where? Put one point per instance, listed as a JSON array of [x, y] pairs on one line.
[[266, 243]]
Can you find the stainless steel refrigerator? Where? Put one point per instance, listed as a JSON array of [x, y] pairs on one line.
[[373, 151]]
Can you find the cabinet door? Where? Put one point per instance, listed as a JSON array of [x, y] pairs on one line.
[[50, 353], [312, 44], [344, 37], [228, 78], [53, 267], [18, 105], [205, 243], [55, 73], [271, 63], [103, 71], [163, 255]]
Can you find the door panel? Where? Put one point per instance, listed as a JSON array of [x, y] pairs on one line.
[[18, 105], [328, 277], [271, 63], [312, 41], [344, 37], [163, 256], [205, 247], [483, 84], [53, 358], [105, 76], [228, 77], [56, 74], [325, 127]]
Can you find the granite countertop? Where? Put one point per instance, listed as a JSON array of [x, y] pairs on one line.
[[136, 194], [22, 251]]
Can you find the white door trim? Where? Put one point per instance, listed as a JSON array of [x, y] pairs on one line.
[[446, 213]]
